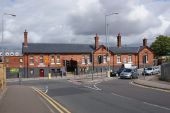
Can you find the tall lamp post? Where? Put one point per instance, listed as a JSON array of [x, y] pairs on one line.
[[107, 34], [3, 53], [4, 14]]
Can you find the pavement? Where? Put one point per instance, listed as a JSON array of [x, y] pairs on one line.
[[153, 82], [22, 99]]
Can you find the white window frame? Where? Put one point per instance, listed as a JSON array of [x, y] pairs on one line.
[[104, 59], [130, 59], [88, 60], [52, 59], [83, 59], [41, 59], [118, 58], [31, 60], [58, 59]]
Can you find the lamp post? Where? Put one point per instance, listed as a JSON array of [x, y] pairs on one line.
[[107, 38], [3, 60], [4, 14]]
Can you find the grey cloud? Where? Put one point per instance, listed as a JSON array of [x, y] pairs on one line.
[[77, 21], [93, 22]]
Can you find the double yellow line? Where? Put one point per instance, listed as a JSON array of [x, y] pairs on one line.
[[55, 104]]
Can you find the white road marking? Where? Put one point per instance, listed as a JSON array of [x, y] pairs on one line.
[[162, 107], [122, 96], [94, 87], [154, 105], [97, 87]]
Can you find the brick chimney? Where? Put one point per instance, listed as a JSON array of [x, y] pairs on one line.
[[119, 41], [144, 42], [96, 41], [25, 39]]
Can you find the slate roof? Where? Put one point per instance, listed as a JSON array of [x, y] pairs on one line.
[[57, 48], [124, 50], [73, 48]]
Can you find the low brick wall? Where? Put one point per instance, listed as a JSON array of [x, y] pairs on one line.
[[165, 72]]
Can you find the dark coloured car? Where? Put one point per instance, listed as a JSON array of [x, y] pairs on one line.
[[113, 74]]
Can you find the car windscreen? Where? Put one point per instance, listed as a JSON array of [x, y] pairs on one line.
[[127, 70], [149, 68]]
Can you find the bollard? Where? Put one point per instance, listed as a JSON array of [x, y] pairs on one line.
[[108, 73], [49, 75]]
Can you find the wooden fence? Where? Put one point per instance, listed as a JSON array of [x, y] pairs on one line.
[[2, 76]]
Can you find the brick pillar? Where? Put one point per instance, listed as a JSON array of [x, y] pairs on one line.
[[119, 41], [25, 39], [96, 41]]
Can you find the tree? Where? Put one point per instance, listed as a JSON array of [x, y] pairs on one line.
[[161, 46]]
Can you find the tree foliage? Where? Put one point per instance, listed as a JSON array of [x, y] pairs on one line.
[[161, 46]]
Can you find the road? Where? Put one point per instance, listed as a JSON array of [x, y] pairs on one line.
[[114, 96]]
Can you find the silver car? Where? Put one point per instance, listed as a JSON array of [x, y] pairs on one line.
[[129, 73], [151, 71]]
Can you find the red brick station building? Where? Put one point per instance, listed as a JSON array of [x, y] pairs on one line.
[[39, 59]]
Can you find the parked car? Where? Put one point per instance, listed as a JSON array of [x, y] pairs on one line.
[[157, 69], [119, 71], [151, 70], [129, 73], [113, 73]]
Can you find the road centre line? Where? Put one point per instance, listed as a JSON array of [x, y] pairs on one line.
[[55, 104], [158, 106]]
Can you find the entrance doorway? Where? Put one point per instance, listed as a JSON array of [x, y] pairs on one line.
[[41, 72], [71, 66]]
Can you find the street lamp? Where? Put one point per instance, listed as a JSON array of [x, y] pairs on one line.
[[4, 14], [106, 34]]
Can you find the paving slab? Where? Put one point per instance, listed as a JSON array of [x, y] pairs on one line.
[[152, 82], [22, 99]]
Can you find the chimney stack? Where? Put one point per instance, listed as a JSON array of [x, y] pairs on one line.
[[96, 41], [25, 39], [144, 42], [119, 41]]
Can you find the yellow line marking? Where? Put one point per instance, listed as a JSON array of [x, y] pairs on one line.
[[50, 101], [63, 108], [167, 91]]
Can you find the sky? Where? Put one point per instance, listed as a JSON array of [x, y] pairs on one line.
[[77, 21]]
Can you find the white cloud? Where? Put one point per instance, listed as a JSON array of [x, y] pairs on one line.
[[138, 13]]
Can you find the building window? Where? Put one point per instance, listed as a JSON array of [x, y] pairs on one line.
[[31, 60], [104, 59], [145, 59], [41, 59], [83, 59], [7, 60], [118, 58], [58, 59], [21, 60], [100, 59], [130, 59], [88, 60], [52, 60]]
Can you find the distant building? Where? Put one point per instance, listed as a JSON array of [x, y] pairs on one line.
[[42, 58], [13, 60]]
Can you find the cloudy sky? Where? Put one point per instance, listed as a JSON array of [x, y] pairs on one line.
[[77, 21]]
